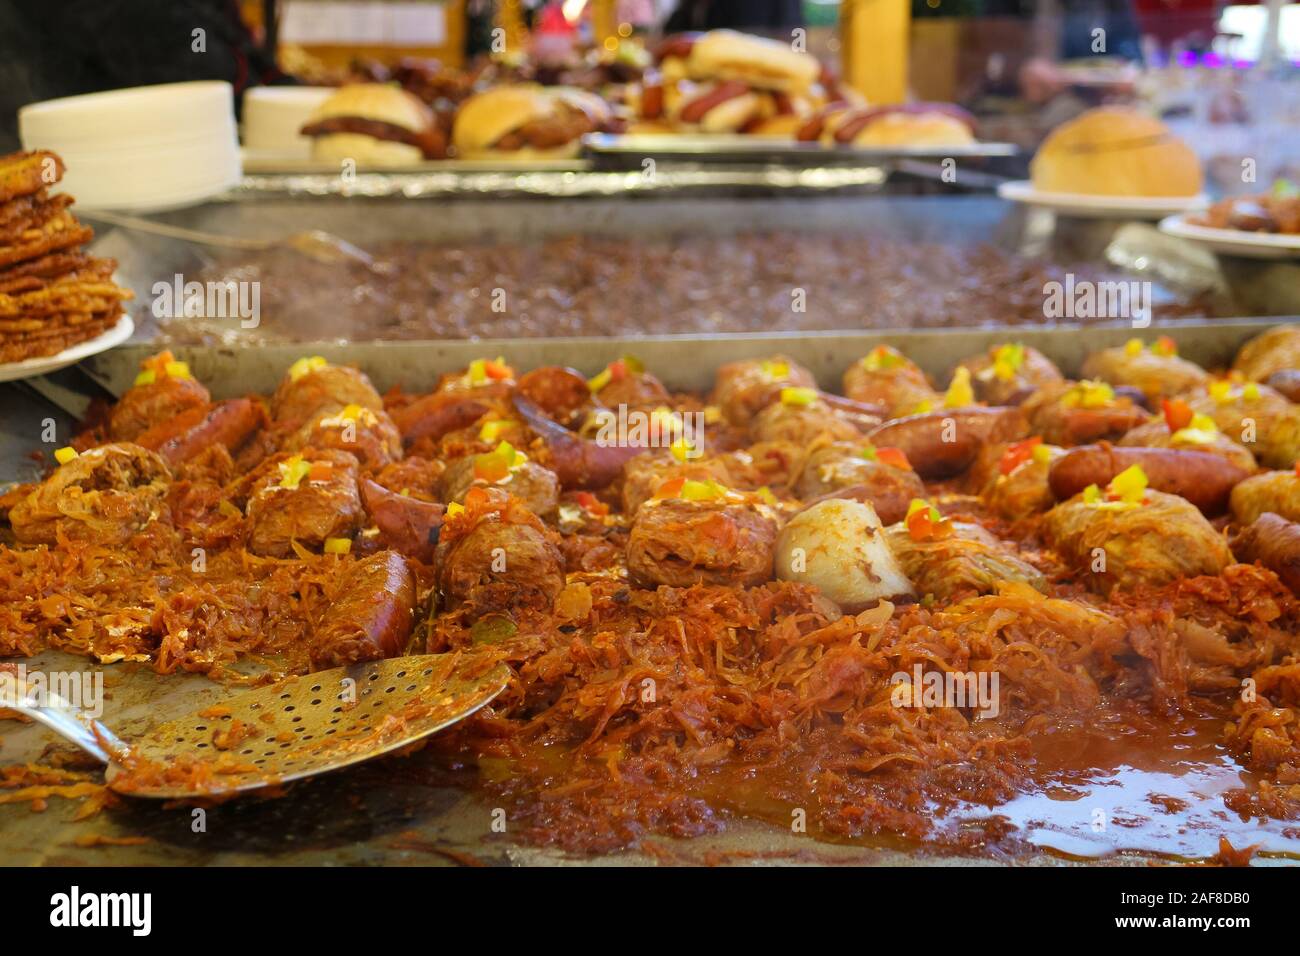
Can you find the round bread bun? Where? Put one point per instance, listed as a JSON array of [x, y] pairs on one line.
[[376, 101], [914, 129], [766, 64], [485, 117], [364, 150], [1114, 151], [382, 102]]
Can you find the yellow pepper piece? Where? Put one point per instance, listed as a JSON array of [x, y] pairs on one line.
[[765, 495], [1130, 484], [1250, 392], [707, 490], [147, 377], [1133, 347], [454, 509], [65, 455], [882, 358], [1088, 394], [959, 394], [1221, 391], [1092, 494], [178, 369], [600, 380], [493, 430], [682, 449], [775, 370], [797, 396], [293, 471], [304, 365], [338, 545], [1042, 454]]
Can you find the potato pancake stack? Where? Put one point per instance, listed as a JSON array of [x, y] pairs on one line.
[[52, 294]]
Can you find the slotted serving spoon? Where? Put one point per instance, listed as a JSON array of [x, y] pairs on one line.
[[313, 243], [296, 728]]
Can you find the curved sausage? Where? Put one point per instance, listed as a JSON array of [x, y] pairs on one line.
[[372, 616], [229, 423], [944, 443], [1204, 479], [577, 462], [437, 414], [1286, 381], [1275, 543], [405, 524], [696, 109]]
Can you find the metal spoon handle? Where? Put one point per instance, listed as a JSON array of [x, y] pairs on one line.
[[59, 714], [177, 232]]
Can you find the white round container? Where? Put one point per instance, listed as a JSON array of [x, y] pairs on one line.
[[146, 148], [274, 114]]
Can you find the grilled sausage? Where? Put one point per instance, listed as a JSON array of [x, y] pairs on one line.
[[405, 524], [1203, 478], [1273, 542], [229, 423], [372, 616], [944, 443]]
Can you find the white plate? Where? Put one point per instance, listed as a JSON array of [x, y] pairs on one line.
[[30, 368], [1234, 242], [1101, 207]]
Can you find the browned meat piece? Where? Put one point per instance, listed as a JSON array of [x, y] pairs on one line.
[[1159, 376], [371, 436], [304, 498], [743, 389], [1079, 413], [370, 617], [535, 486], [1286, 382], [311, 390], [103, 496], [842, 469], [642, 476], [1204, 479], [945, 443], [1024, 490], [638, 390], [1155, 434], [887, 378], [230, 424], [1255, 415], [497, 553], [679, 543], [1275, 491], [801, 424], [144, 406], [1008, 374], [1272, 351], [1156, 542], [561, 393], [967, 558], [1274, 542], [407, 525]]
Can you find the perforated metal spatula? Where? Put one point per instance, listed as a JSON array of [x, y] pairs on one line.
[[297, 728]]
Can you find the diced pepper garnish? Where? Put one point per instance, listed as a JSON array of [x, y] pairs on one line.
[[924, 520], [1250, 392], [1178, 414], [922, 407], [351, 412], [482, 371], [1092, 494], [1130, 485], [338, 545], [1220, 390], [765, 495], [707, 490], [306, 364], [178, 369], [454, 509], [959, 394], [1165, 347], [894, 457], [1133, 347], [671, 488], [712, 414], [798, 396], [1088, 394], [498, 463], [882, 358], [1042, 454], [600, 379], [591, 503], [682, 449], [1007, 360], [65, 455], [1017, 454], [293, 471], [147, 377], [493, 430], [1201, 430], [774, 370]]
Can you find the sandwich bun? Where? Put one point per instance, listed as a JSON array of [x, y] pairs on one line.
[[377, 102], [1115, 151], [486, 117], [914, 129], [765, 64]]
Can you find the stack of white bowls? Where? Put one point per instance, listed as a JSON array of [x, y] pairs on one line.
[[141, 149], [274, 114]]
